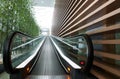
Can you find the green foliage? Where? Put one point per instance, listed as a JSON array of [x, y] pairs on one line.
[[16, 15]]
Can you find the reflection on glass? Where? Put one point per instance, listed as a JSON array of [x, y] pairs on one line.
[[22, 47], [1, 61], [76, 49]]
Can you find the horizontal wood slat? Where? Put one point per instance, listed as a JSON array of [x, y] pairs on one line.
[[115, 41], [107, 67], [71, 17], [69, 12], [91, 14], [103, 29], [107, 55], [100, 75], [117, 11]]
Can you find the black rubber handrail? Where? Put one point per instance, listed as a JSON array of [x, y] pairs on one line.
[[90, 52], [7, 52]]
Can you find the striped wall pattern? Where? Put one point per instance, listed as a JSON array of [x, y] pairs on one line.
[[100, 19]]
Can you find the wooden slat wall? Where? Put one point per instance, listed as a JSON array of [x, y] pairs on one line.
[[100, 19]]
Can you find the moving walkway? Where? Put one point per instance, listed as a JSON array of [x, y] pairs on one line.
[[48, 57]]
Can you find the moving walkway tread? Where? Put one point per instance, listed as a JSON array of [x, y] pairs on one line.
[[48, 66]]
